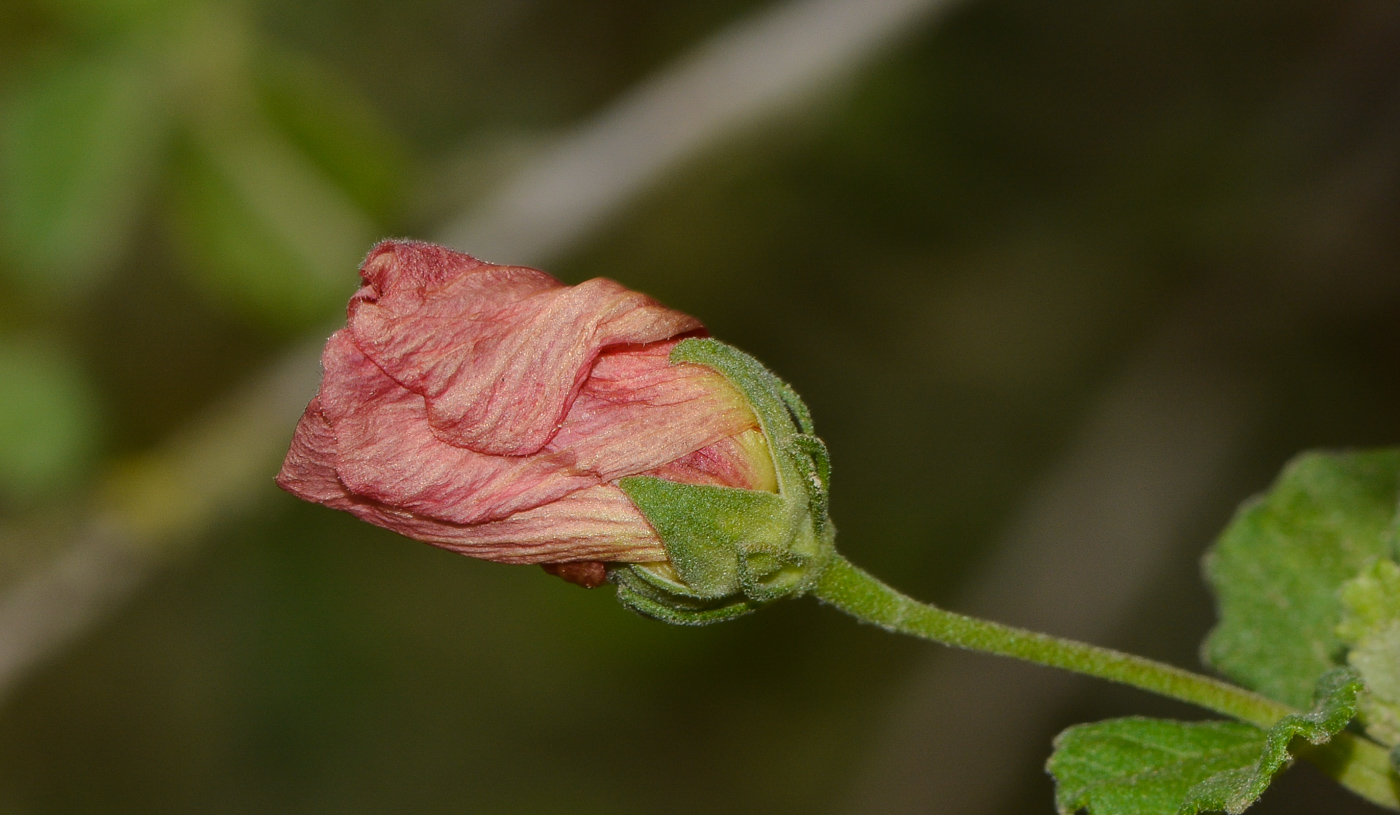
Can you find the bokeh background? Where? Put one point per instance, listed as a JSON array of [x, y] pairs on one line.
[[1063, 282]]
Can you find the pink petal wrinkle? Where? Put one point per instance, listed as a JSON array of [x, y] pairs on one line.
[[499, 352], [738, 461], [309, 469], [401, 274], [595, 524], [491, 410], [638, 411], [387, 453]]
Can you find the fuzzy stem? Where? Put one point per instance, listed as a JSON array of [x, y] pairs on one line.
[[1358, 763]]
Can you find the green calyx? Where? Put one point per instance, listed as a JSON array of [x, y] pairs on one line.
[[733, 550]]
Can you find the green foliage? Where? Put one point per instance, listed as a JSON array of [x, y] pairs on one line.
[[1145, 766], [76, 141], [265, 229], [1371, 627], [336, 131], [1302, 573], [104, 17], [1278, 568], [48, 419], [1234, 790], [275, 195], [1139, 766]]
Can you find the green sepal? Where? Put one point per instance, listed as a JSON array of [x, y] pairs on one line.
[[706, 529], [732, 550], [641, 588], [782, 415], [797, 408], [813, 463]]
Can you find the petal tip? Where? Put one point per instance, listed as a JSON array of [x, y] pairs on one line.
[[397, 263]]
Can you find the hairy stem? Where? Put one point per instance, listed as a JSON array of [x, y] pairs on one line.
[[1358, 763]]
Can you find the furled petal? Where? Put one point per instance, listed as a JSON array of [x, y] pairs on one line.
[[386, 452], [498, 352], [637, 413], [309, 469], [737, 461], [491, 410], [599, 524]]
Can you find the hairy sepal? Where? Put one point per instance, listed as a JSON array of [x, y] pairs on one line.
[[733, 550]]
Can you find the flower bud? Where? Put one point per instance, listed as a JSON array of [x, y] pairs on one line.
[[496, 412], [730, 549]]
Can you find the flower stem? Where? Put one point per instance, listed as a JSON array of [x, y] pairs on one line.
[[1358, 763]]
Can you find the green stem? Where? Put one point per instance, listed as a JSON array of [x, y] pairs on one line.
[[1358, 763]]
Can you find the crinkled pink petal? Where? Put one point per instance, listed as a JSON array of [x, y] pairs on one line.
[[386, 453], [400, 274], [404, 310], [498, 352], [490, 410], [308, 472], [737, 461], [638, 411], [600, 523]]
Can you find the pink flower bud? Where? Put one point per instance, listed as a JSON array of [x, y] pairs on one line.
[[491, 410]]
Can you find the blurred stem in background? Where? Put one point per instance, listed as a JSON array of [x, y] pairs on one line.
[[261, 221], [123, 91], [261, 170], [273, 230]]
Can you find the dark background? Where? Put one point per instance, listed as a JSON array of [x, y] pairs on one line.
[[961, 253]]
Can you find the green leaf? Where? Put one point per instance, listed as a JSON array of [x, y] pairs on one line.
[[76, 142], [335, 129], [1139, 766], [48, 419], [706, 528], [1234, 790], [1278, 567], [1371, 626], [264, 228]]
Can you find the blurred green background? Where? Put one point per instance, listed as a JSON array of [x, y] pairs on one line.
[[964, 252]]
